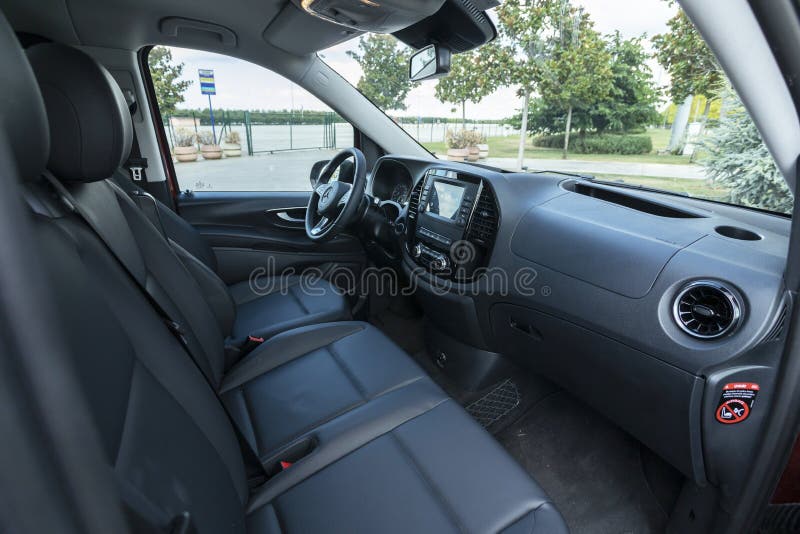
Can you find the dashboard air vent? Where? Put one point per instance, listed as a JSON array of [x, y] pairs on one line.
[[413, 201], [707, 310], [483, 226]]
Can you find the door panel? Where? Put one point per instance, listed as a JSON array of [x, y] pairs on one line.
[[264, 230]]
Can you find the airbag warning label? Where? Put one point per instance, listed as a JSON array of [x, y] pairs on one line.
[[736, 402]]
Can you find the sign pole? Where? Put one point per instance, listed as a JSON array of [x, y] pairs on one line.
[[208, 87], [211, 112]]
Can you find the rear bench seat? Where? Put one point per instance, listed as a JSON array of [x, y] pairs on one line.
[[375, 445]]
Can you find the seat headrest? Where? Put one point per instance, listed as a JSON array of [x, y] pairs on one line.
[[90, 125], [22, 111]]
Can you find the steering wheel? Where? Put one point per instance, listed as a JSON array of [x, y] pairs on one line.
[[333, 205]]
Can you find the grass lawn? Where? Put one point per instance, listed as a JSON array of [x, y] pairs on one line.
[[506, 147], [693, 188]]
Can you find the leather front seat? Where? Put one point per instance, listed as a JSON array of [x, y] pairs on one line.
[[273, 305]]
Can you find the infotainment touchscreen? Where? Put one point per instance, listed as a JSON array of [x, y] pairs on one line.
[[445, 199]]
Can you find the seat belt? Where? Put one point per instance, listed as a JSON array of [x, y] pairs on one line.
[[147, 203], [256, 473], [135, 163]]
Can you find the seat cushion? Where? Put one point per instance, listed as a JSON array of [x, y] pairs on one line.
[[305, 377], [280, 304], [437, 472]]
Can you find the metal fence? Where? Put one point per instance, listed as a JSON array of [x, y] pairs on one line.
[[435, 132], [331, 134], [259, 138]]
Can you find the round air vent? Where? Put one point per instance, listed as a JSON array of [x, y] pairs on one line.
[[706, 310]]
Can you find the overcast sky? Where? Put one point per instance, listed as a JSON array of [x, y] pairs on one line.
[[243, 85]]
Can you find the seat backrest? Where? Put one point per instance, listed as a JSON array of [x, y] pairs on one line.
[[50, 476], [173, 225], [164, 430], [161, 425], [91, 135], [190, 247]]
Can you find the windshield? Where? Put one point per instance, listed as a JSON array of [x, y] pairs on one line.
[[627, 92]]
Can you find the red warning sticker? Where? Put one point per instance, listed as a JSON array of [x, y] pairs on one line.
[[736, 402]]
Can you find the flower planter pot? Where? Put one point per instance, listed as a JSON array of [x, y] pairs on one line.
[[474, 153], [231, 150], [457, 154], [483, 151], [185, 153], [211, 151]]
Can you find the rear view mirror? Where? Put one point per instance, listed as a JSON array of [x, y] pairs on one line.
[[432, 61]]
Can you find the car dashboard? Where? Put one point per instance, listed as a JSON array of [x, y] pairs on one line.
[[644, 304]]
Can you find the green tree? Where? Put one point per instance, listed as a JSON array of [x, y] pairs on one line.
[[631, 101], [524, 26], [384, 64], [166, 79], [737, 158], [468, 79], [692, 66], [577, 73], [629, 105]]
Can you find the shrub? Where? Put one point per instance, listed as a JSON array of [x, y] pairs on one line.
[[206, 138], [462, 138], [472, 137], [184, 137], [737, 158], [233, 138], [599, 144]]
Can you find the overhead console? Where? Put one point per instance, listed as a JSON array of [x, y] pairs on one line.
[[452, 222], [386, 16], [459, 25], [456, 25], [307, 26]]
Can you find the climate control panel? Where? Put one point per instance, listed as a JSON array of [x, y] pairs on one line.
[[432, 259]]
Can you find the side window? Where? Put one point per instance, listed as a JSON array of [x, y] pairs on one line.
[[234, 126]]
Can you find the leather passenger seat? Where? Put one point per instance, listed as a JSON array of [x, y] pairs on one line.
[[368, 442], [280, 304]]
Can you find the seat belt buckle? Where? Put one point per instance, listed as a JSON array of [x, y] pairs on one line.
[[136, 173], [250, 345]]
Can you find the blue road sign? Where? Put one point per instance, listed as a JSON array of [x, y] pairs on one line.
[[207, 86]]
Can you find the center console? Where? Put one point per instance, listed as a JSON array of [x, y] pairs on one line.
[[452, 221]]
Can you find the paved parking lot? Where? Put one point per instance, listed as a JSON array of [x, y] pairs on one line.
[[281, 171]]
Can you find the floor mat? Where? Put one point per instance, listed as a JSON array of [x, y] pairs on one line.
[[404, 324], [591, 469], [496, 404]]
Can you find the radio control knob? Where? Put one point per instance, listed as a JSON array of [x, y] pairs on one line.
[[417, 250], [439, 262]]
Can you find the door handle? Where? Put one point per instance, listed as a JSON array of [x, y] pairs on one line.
[[283, 214], [288, 218]]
